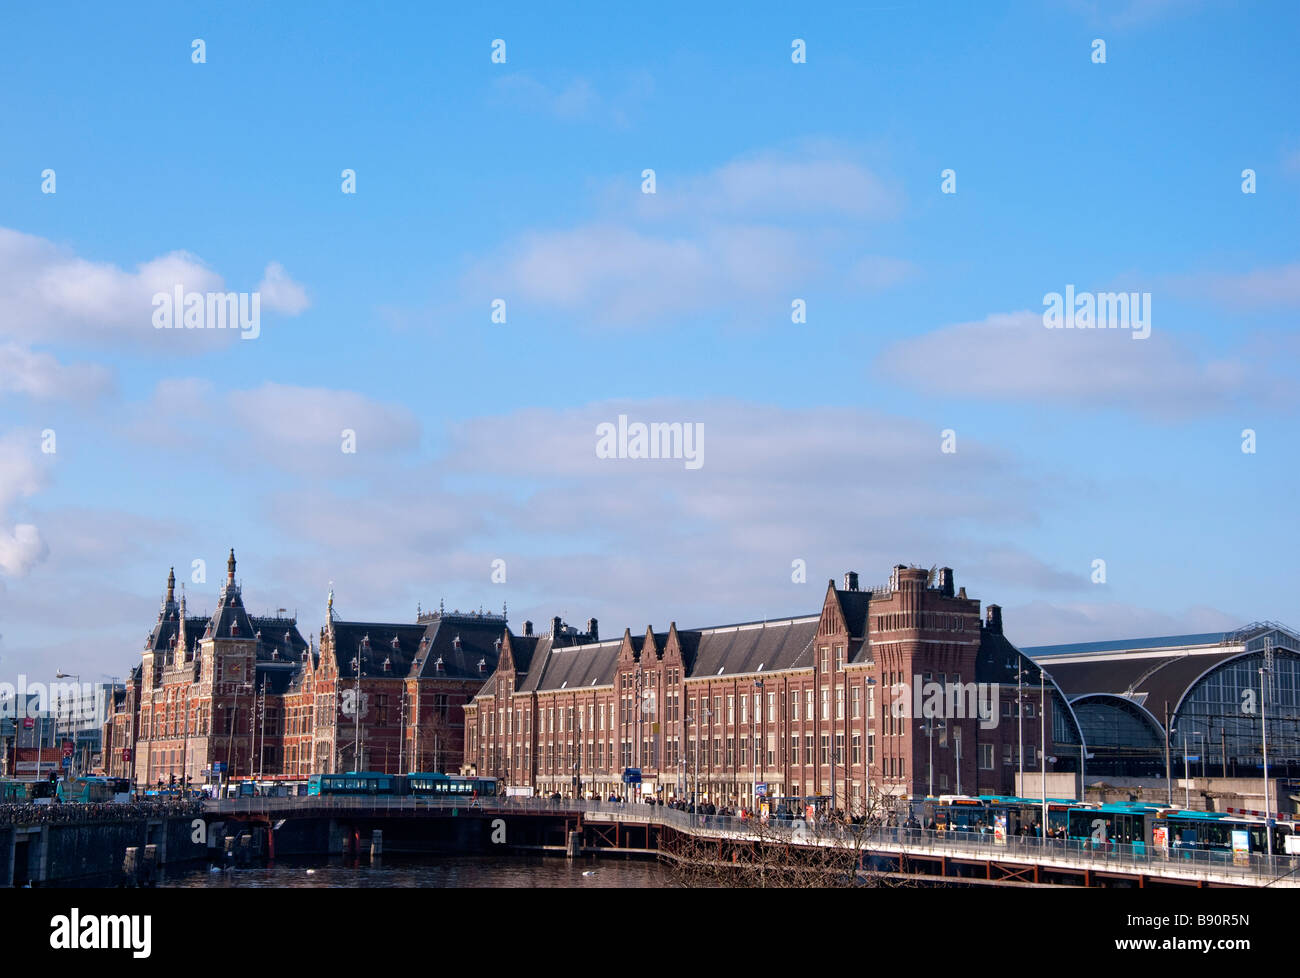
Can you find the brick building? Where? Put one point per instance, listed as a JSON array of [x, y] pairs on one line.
[[840, 703], [250, 694]]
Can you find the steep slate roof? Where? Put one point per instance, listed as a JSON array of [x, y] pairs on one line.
[[280, 639], [855, 606], [478, 634], [420, 645], [997, 659], [735, 649], [230, 614], [349, 635]]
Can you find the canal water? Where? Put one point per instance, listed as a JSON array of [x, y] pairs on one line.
[[433, 871]]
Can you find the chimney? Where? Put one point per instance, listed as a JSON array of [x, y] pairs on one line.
[[528, 628], [593, 629], [946, 581], [850, 580], [555, 627], [993, 619]]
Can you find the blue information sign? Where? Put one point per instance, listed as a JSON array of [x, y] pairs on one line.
[[632, 775]]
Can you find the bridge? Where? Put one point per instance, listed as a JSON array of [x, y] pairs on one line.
[[616, 827]]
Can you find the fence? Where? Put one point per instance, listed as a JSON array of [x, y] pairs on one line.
[[1244, 868]]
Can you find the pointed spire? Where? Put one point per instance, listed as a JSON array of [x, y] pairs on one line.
[[230, 568], [171, 585]]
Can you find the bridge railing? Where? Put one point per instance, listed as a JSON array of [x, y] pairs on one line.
[[1250, 867]]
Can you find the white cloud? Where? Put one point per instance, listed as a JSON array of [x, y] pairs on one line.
[[280, 293], [291, 427], [1051, 623], [819, 182], [21, 546], [49, 295], [40, 375], [1013, 357], [1278, 286], [619, 276]]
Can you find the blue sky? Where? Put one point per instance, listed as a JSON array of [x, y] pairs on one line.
[[522, 181]]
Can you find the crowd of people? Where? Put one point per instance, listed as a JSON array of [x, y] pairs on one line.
[[28, 814]]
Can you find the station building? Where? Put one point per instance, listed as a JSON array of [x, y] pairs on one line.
[[832, 705], [234, 695], [1145, 705]]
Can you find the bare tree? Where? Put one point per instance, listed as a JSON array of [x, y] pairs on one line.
[[834, 850]]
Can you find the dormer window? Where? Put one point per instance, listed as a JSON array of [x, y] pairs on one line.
[[396, 645], [439, 666], [455, 643], [482, 664], [388, 665]]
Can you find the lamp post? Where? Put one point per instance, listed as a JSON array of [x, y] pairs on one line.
[[261, 742], [1042, 726], [758, 698], [1263, 731], [230, 734], [1020, 726], [928, 727], [362, 648], [1187, 779], [71, 720]]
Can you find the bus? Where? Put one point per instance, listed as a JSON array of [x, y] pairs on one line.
[[352, 783], [89, 790], [448, 786]]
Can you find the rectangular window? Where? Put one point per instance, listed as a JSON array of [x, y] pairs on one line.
[[839, 658], [857, 702], [794, 707], [808, 704], [839, 703], [731, 709], [1006, 754], [986, 757], [826, 749], [839, 748], [826, 659], [826, 703], [794, 750], [808, 748], [744, 709], [857, 749]]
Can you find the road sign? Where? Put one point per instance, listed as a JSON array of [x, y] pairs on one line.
[[29, 723], [67, 761], [760, 789], [218, 767], [632, 775]]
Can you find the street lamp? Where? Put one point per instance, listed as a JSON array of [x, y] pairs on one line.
[[1263, 731], [1042, 727], [758, 698], [230, 734], [71, 720], [1020, 725], [362, 648], [928, 728]]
